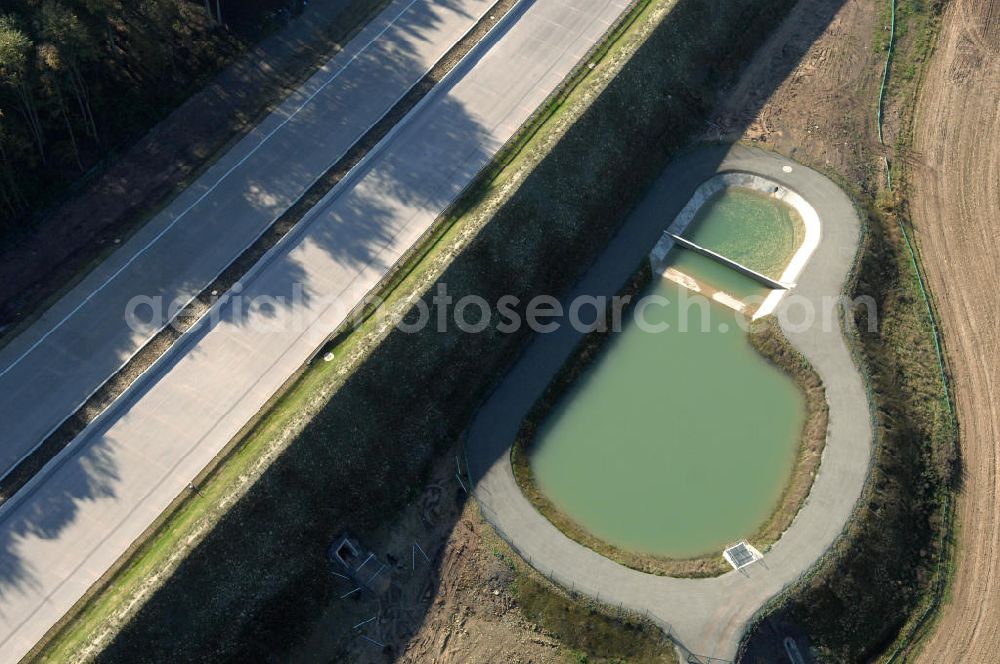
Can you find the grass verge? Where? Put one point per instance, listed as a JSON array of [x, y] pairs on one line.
[[250, 545], [767, 338]]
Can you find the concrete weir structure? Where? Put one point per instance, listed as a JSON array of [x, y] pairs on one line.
[[742, 269], [754, 182], [707, 617]]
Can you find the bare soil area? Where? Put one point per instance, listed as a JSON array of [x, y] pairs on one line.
[[454, 592], [454, 605], [955, 206], [820, 113], [474, 616]]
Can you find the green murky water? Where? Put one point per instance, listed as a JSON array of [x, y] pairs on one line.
[[750, 228], [674, 443]]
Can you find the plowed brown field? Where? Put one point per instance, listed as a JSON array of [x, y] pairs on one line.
[[956, 210]]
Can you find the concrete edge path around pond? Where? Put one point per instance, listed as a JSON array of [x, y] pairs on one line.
[[706, 617]]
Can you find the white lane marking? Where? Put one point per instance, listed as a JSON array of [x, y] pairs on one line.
[[163, 232]]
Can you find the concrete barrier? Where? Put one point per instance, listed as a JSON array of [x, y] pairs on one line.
[[739, 267]]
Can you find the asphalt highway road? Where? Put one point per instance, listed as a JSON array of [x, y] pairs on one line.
[[706, 617], [51, 368], [82, 511]]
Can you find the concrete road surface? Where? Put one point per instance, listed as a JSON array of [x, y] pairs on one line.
[[706, 616], [74, 519], [50, 369]]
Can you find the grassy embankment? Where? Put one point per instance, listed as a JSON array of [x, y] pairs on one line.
[[917, 29], [767, 338], [872, 596], [238, 568], [597, 632]]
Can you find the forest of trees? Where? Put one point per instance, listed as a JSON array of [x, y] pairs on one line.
[[79, 78]]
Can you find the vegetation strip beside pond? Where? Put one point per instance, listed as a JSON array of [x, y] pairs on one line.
[[859, 597], [768, 340]]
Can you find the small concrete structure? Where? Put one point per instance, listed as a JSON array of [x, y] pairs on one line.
[[741, 180], [363, 567], [741, 555]]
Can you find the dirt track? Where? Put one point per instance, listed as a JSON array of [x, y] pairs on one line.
[[956, 203]]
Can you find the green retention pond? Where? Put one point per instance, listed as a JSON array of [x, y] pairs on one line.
[[680, 438], [750, 228], [672, 443]]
